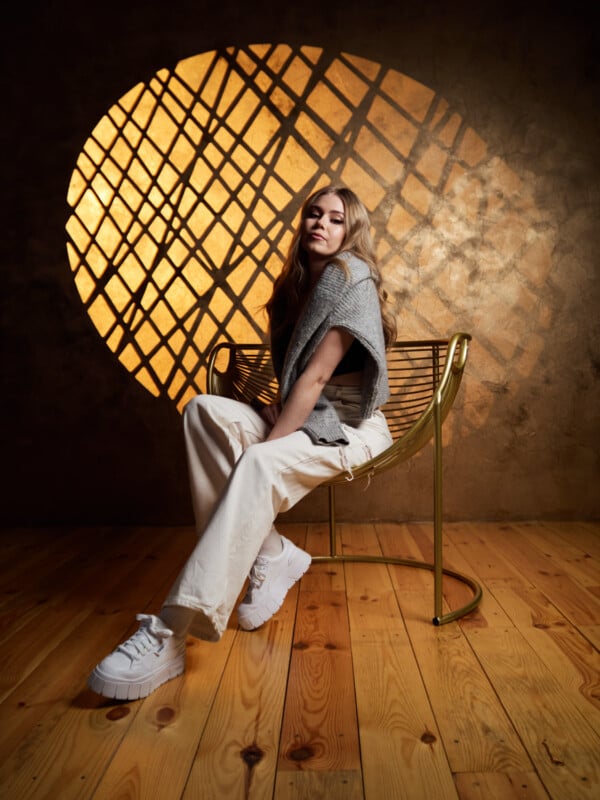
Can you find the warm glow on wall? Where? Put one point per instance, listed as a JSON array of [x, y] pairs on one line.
[[184, 198]]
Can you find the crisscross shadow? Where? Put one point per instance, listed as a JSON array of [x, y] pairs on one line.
[[184, 200]]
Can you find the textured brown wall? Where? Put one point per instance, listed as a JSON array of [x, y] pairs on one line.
[[83, 442]]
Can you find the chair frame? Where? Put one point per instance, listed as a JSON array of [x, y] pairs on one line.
[[428, 426]]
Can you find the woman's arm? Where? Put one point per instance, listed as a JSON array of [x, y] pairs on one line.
[[306, 390]]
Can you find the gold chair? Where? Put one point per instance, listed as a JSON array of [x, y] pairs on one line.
[[424, 377]]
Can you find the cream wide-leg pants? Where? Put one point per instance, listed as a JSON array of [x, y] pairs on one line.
[[240, 483]]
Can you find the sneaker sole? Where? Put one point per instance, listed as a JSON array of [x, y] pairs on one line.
[[135, 690]]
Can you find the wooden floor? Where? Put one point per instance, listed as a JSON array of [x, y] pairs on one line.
[[349, 692]]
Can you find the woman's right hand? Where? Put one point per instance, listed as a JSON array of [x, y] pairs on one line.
[[271, 413]]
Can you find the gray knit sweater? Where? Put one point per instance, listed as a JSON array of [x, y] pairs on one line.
[[346, 302]]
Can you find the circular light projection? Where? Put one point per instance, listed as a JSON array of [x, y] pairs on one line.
[[185, 195]]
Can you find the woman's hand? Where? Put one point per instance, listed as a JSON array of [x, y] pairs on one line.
[[271, 413]]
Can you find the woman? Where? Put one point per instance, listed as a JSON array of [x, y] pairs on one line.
[[329, 328]]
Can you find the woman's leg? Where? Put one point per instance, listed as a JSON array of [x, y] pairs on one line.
[[269, 477], [216, 431]]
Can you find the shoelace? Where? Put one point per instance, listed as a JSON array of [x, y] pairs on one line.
[[146, 638], [258, 573]]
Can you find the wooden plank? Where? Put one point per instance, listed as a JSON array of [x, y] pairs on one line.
[[571, 658], [56, 612], [577, 604], [474, 539], [456, 593], [33, 711], [398, 540], [339, 785], [372, 602], [580, 565], [67, 750], [317, 538], [591, 633], [395, 540], [325, 576], [584, 535], [237, 755], [402, 752], [31, 644], [58, 739], [410, 541], [500, 786], [477, 733], [46, 553], [25, 551], [319, 727], [155, 757], [49, 571], [489, 613], [400, 744], [320, 698], [564, 748], [475, 730]]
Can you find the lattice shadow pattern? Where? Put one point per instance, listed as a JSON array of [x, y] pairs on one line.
[[185, 196]]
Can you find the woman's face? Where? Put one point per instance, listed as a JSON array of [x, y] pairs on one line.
[[323, 229]]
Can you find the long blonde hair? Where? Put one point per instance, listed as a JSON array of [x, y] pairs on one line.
[[292, 284]]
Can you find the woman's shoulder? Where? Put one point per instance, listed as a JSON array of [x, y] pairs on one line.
[[358, 269]]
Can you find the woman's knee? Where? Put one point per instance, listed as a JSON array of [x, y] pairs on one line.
[[199, 416], [259, 464], [213, 413], [201, 406]]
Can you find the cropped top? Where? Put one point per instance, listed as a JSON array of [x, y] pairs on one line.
[[353, 360]]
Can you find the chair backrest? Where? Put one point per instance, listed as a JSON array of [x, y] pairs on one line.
[[242, 372], [421, 373]]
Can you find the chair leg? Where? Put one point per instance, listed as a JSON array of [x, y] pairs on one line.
[[437, 566], [332, 523], [438, 556]]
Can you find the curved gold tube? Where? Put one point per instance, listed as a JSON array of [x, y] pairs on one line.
[[439, 618]]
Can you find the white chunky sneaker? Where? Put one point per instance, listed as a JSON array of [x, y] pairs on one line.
[[149, 658], [270, 580]]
